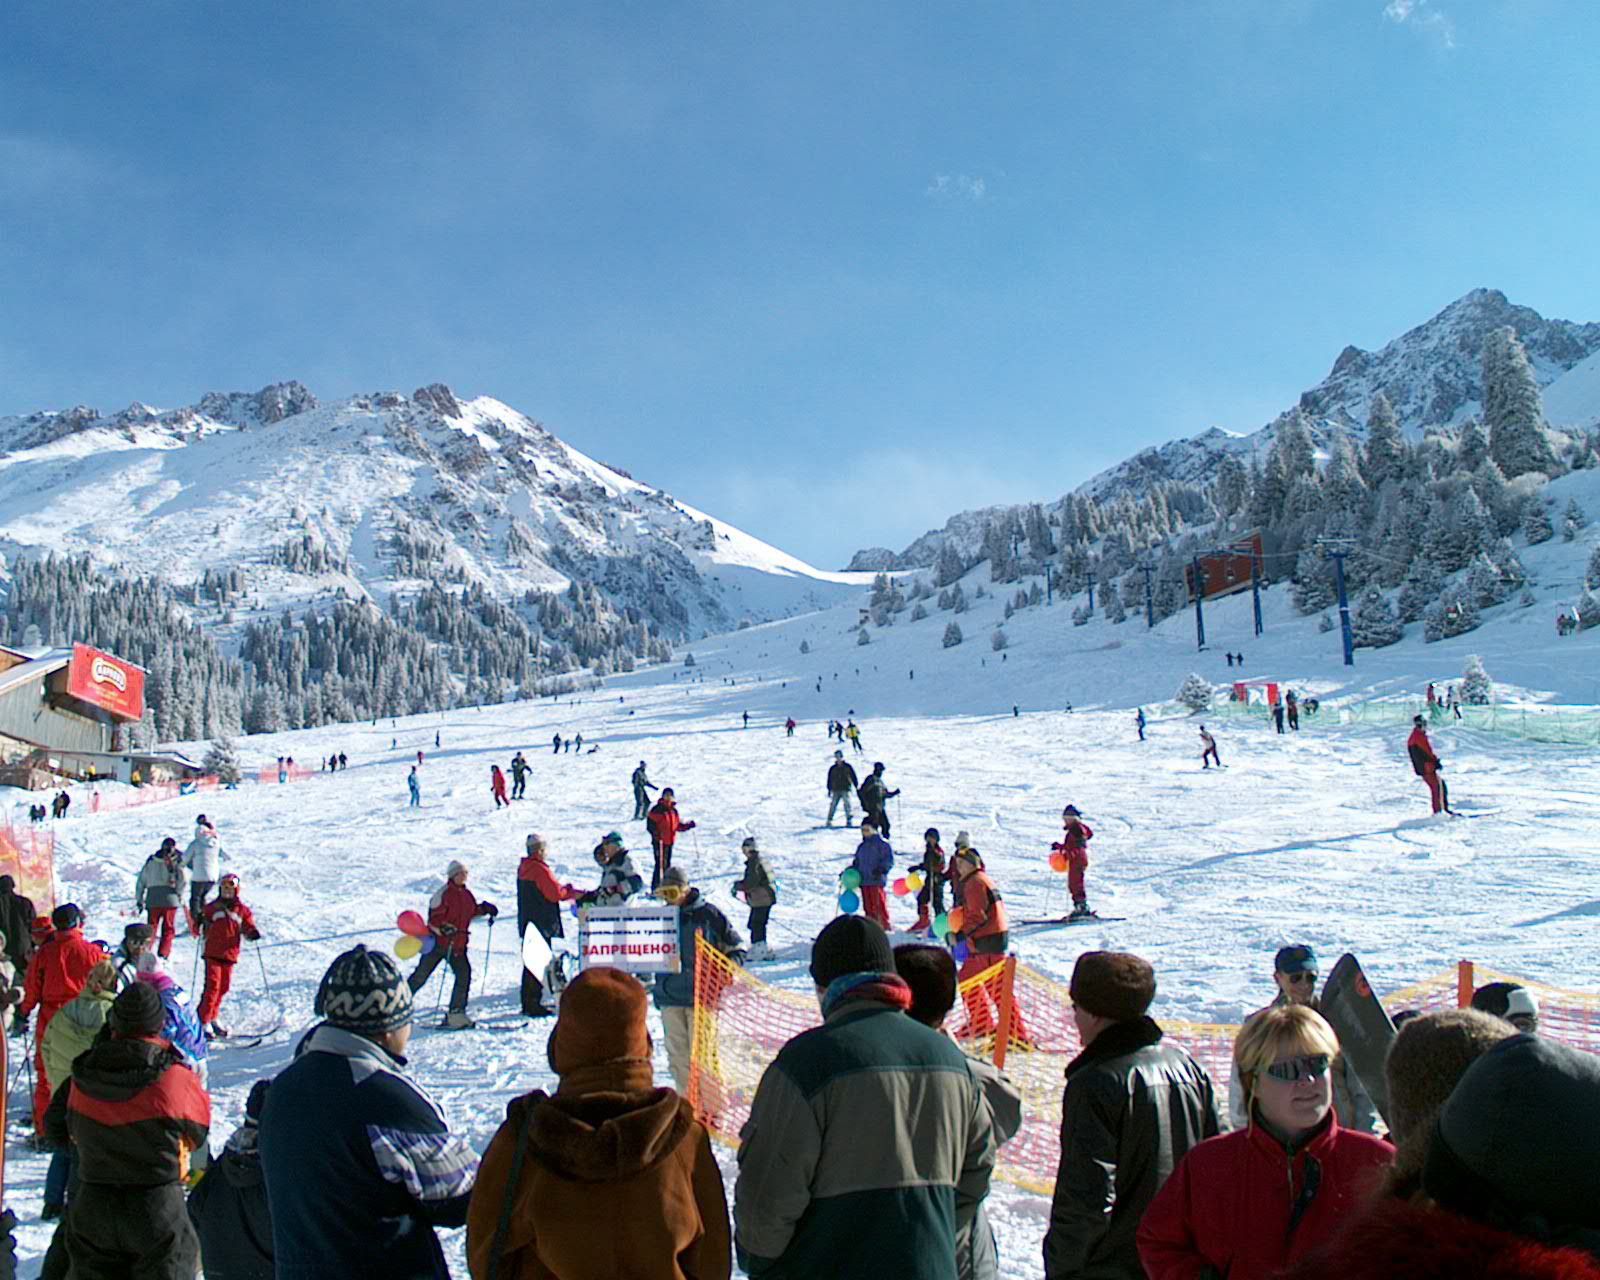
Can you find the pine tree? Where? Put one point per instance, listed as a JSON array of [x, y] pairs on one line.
[[1452, 615], [1374, 623], [1511, 407], [222, 759], [1536, 527], [1386, 448], [952, 636], [1591, 574], [1195, 693], [1313, 582], [862, 637], [947, 568], [1081, 616], [1484, 583], [919, 612], [1476, 690], [1573, 520], [998, 640], [805, 645], [1232, 485], [1472, 446], [1112, 606]]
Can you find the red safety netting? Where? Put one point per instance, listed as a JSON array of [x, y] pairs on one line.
[[28, 856], [148, 793], [740, 1023], [289, 773]]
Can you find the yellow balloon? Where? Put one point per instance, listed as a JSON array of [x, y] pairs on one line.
[[914, 880], [405, 946]]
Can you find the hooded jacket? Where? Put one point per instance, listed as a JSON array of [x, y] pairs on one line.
[[160, 886], [203, 857], [696, 916], [72, 1032], [618, 1179], [59, 970], [230, 1214]]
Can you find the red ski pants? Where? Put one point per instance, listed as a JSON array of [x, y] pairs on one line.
[[1077, 864], [41, 1086], [219, 980], [167, 920], [874, 905], [1430, 775]]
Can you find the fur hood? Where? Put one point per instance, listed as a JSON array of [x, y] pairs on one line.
[[603, 1137]]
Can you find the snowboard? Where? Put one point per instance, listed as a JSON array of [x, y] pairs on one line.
[[535, 951], [1362, 1025]]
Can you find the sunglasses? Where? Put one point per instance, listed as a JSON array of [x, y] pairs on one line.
[[1310, 1066], [1301, 979]]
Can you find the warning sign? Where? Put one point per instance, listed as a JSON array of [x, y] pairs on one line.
[[638, 939]]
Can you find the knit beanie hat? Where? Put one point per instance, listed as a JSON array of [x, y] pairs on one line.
[[1518, 1143], [850, 944], [363, 991], [454, 869], [963, 840], [67, 916], [255, 1103], [1113, 984], [1428, 1058], [675, 876], [602, 1019], [137, 1011]]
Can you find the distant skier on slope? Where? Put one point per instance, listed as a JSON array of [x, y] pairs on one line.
[[497, 786], [841, 785], [1139, 722], [414, 787], [1208, 749], [1426, 765], [519, 776], [642, 787], [1074, 845], [875, 795]]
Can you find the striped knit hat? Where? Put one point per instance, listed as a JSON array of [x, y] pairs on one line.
[[363, 991]]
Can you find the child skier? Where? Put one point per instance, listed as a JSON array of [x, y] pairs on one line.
[[1074, 844], [619, 881], [931, 896], [497, 784], [226, 921], [874, 859], [759, 894]]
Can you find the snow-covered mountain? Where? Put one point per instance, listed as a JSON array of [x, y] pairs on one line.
[[378, 494], [1432, 374]]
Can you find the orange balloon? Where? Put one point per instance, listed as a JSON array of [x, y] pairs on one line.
[[1058, 862], [957, 918]]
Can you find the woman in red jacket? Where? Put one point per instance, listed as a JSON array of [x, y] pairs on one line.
[[226, 922], [1248, 1203], [451, 911]]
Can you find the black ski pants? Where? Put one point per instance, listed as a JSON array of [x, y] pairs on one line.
[[131, 1233], [460, 966]]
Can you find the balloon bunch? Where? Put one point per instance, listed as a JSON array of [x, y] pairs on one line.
[[849, 882], [415, 937]]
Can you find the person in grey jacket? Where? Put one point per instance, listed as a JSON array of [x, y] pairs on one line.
[[1294, 970], [930, 972], [160, 890], [1133, 1107], [203, 861]]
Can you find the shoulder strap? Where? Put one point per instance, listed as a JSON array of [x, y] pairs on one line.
[[515, 1177]]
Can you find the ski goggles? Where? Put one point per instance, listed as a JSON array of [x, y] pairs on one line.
[[1307, 976], [1309, 1066], [670, 893]]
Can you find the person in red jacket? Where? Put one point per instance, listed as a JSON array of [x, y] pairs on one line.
[[1251, 1202], [664, 822], [985, 932], [539, 899], [497, 784], [225, 921], [451, 911], [1426, 765], [55, 977], [1074, 844]]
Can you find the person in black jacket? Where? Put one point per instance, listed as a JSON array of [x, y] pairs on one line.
[[841, 786], [1133, 1107], [16, 922], [875, 796], [229, 1205]]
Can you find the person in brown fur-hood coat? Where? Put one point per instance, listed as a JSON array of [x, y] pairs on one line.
[[614, 1177]]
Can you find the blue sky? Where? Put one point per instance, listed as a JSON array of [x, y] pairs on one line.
[[832, 271]]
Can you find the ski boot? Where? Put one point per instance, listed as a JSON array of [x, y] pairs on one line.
[[457, 1020], [1080, 911], [761, 953]]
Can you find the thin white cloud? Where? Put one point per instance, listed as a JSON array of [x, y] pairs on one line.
[[1423, 17], [957, 186]]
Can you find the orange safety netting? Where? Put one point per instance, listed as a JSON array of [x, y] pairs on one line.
[[740, 1023], [148, 793], [28, 856], [289, 773]]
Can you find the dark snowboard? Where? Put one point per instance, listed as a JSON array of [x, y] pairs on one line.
[[1362, 1025]]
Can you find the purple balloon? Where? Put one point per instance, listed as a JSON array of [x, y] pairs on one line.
[[428, 944], [961, 952]]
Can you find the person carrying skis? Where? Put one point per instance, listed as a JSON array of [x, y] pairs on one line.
[[619, 881], [451, 911], [642, 787], [1208, 749], [497, 786], [664, 822], [760, 894], [874, 859], [875, 795], [539, 899], [933, 868], [203, 861], [841, 786], [673, 993], [227, 921], [1074, 845], [1426, 765], [160, 889], [1139, 722], [415, 788]]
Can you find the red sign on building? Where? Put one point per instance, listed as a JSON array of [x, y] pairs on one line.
[[106, 682], [1229, 570]]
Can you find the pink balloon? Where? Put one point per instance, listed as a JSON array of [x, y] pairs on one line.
[[412, 923]]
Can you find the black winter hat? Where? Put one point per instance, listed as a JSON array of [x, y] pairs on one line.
[[850, 944], [137, 1011], [256, 1102], [67, 916], [1518, 1143], [1113, 984], [930, 972], [364, 991]]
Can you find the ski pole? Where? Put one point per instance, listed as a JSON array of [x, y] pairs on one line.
[[261, 960], [194, 969], [488, 952]]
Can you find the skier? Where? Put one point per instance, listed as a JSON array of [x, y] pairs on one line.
[[519, 776], [642, 787], [435, 739], [55, 978], [226, 920], [451, 911], [746, 719], [180, 1027], [556, 744], [1426, 765], [577, 744], [159, 890], [789, 727], [419, 759], [664, 822], [203, 861], [875, 795], [619, 880], [841, 785], [1208, 749], [497, 785], [873, 859], [344, 762], [760, 895], [1139, 722], [539, 899], [1074, 844], [1292, 705], [854, 734], [931, 896], [415, 788]]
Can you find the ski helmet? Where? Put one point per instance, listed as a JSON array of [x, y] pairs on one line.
[[226, 880]]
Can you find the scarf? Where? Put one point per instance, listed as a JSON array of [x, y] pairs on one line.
[[884, 988]]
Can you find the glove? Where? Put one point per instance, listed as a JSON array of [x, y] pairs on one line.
[[253, 937], [687, 826], [489, 909], [446, 930]]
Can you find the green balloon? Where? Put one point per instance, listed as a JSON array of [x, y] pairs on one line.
[[941, 924], [851, 878]]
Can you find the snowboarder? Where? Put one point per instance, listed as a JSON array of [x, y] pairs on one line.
[[1139, 722], [415, 788], [760, 895], [519, 776], [875, 795], [674, 992], [539, 899], [497, 786], [203, 861], [1208, 749], [642, 787], [841, 786], [159, 889], [1292, 706], [873, 860], [619, 880], [933, 867], [1074, 846], [451, 911], [1426, 765], [226, 921], [664, 822]]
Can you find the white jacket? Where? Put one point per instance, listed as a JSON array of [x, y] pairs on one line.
[[204, 857]]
